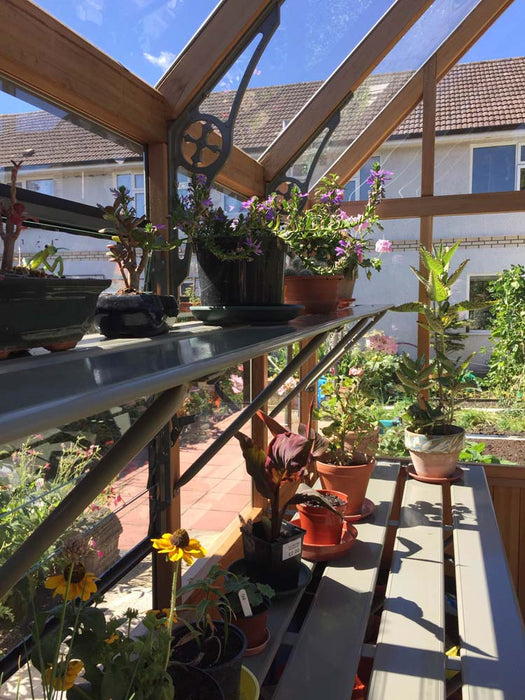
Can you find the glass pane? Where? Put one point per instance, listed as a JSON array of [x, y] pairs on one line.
[[43, 186], [493, 169], [522, 154], [155, 31], [350, 191], [140, 205], [139, 181], [522, 178], [394, 71], [125, 181]]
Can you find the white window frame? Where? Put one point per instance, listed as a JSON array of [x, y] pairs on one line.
[[26, 182], [134, 190], [519, 163]]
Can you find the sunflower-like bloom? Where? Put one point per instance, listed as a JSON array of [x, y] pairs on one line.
[[163, 615], [179, 546], [112, 638], [65, 674], [81, 585]]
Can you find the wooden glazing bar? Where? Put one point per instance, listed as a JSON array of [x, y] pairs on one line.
[[259, 381]]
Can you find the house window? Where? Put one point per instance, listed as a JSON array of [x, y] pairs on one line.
[[494, 169], [364, 174], [479, 292], [42, 186], [135, 185], [351, 191]]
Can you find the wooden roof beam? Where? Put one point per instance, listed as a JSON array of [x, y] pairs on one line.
[[201, 62], [444, 205], [345, 80], [446, 56], [49, 59]]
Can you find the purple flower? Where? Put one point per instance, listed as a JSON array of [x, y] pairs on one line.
[[338, 196], [342, 248], [326, 197], [248, 203], [383, 246], [343, 215], [254, 245], [207, 202], [202, 179], [382, 175], [219, 215], [359, 251]]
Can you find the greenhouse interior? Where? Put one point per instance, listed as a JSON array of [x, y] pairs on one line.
[[264, 436]]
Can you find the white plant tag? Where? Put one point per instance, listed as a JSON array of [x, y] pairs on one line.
[[245, 603], [291, 549]]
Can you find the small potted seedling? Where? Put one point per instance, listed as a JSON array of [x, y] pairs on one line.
[[250, 603]]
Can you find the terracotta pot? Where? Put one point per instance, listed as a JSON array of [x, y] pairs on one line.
[[345, 288], [351, 479], [318, 294], [254, 627], [321, 525], [435, 456]]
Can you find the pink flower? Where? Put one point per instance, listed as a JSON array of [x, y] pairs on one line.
[[383, 246], [356, 371], [381, 342], [289, 384], [237, 383]]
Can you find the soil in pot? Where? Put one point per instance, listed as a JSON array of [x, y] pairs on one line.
[[318, 294], [192, 683], [220, 656], [321, 524], [350, 479], [276, 563], [134, 315]]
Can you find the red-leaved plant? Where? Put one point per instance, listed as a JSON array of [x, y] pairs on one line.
[[287, 459]]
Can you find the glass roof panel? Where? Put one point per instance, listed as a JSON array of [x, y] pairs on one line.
[[418, 44], [312, 39], [155, 30]]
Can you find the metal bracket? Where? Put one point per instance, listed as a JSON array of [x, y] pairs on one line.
[[208, 127]]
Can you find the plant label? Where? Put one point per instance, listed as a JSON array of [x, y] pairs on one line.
[[245, 603], [291, 549]]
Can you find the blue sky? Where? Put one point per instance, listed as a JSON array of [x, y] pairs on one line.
[[313, 37]]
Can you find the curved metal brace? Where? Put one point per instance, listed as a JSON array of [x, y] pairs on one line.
[[303, 185], [216, 135]]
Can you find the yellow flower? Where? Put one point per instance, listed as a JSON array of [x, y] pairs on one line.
[[82, 584], [179, 546], [65, 674], [113, 638]]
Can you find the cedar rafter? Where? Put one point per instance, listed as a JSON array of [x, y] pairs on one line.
[[344, 81]]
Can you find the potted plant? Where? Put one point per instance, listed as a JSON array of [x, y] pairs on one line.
[[249, 602], [272, 546], [328, 246], [321, 525], [131, 313], [38, 309], [241, 259], [348, 463], [434, 442]]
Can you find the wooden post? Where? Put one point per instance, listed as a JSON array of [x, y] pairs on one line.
[[158, 209], [427, 183], [259, 379]]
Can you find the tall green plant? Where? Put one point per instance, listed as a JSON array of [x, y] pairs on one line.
[[443, 378], [507, 326]]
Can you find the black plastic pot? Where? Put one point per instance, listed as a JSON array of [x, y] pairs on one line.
[[275, 563], [49, 312], [257, 282], [192, 683], [140, 315], [227, 672]]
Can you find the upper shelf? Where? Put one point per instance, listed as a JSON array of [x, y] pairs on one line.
[[47, 391]]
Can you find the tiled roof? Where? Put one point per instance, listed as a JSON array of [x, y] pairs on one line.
[[486, 95], [54, 140]]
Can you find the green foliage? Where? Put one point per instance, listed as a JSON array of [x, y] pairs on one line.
[[474, 452], [392, 442], [506, 374], [326, 241], [443, 379], [379, 381]]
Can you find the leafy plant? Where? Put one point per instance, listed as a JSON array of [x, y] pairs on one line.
[[256, 592], [444, 378], [130, 234], [475, 452], [507, 326], [286, 460], [324, 239], [352, 415]]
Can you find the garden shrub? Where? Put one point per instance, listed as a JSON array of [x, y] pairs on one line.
[[506, 374]]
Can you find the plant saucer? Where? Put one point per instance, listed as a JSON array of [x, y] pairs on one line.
[[252, 651], [327, 552], [367, 509], [457, 474], [305, 575]]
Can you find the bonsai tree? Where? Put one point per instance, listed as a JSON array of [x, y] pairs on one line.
[[14, 214], [323, 239], [436, 385], [286, 460], [133, 238]]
